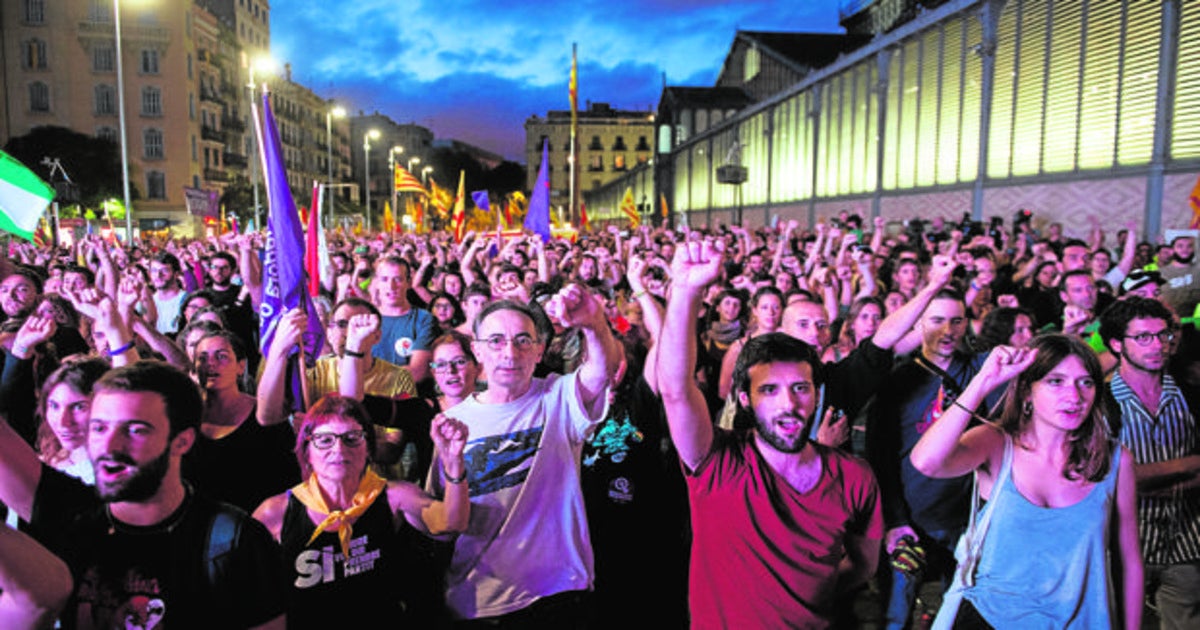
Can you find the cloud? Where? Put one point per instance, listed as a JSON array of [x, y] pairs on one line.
[[488, 65]]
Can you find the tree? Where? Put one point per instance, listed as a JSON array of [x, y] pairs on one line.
[[93, 164]]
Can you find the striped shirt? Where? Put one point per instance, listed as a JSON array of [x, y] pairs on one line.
[[1169, 525]]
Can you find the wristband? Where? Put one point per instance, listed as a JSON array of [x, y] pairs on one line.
[[459, 479], [121, 350], [356, 355]]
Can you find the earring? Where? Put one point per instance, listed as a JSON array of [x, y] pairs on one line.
[[1027, 408]]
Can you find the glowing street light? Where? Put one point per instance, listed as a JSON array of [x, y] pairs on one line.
[[411, 161], [265, 65], [367, 138], [425, 175], [336, 112]]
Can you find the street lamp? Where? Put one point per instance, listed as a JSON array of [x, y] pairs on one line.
[[121, 117], [367, 137], [413, 160], [336, 112], [392, 153], [266, 65], [425, 175]]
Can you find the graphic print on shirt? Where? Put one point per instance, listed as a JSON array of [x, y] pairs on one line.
[[613, 440], [135, 604], [501, 461], [314, 566], [935, 410]]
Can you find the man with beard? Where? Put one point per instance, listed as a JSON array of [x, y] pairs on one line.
[[1156, 425], [19, 292], [921, 513], [142, 546], [781, 525], [1182, 291]]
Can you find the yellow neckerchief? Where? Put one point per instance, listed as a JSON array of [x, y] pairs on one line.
[[309, 493]]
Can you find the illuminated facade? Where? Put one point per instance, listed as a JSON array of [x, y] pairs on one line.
[[611, 143], [1069, 108]]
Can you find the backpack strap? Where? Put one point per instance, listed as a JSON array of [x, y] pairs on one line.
[[223, 533]]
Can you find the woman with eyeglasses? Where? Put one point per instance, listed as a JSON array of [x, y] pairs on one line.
[[353, 540], [235, 459], [1056, 546]]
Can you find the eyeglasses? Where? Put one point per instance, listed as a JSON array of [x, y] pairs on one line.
[[459, 363], [1144, 339], [496, 343], [350, 439]]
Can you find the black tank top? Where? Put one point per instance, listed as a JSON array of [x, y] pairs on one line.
[[328, 591]]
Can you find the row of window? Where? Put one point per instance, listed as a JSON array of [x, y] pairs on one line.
[[104, 58], [596, 145], [104, 99]]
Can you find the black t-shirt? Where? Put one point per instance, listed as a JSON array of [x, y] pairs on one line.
[[245, 467], [157, 576]]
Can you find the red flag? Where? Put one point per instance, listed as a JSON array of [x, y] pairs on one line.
[[312, 256], [583, 218], [460, 208]]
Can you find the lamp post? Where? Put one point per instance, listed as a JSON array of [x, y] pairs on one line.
[[367, 137], [425, 175], [392, 153], [336, 112], [413, 160], [121, 118]]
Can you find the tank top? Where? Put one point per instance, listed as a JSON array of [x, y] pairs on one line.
[[329, 591], [1042, 567]]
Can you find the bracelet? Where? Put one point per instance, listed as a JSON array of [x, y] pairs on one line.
[[121, 350], [21, 352], [356, 355], [459, 479]]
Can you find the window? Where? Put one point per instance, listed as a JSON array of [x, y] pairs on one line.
[[193, 148], [104, 59], [152, 141], [156, 185], [33, 55], [100, 11], [149, 61], [107, 133], [39, 97], [642, 145], [189, 65], [619, 145], [106, 100], [151, 101], [753, 63], [595, 144], [35, 11], [597, 163], [545, 142], [618, 162]]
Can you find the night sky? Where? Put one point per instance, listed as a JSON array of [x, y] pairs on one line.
[[476, 69]]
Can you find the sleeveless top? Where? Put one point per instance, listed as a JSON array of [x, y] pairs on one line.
[[1042, 567], [329, 591]]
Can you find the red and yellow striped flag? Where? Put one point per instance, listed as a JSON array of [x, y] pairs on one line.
[[405, 182], [630, 209]]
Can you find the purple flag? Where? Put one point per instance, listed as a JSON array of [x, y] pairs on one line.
[[537, 218], [480, 197], [283, 266]]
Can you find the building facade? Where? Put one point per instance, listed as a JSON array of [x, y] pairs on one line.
[[611, 142], [1073, 110], [408, 145]]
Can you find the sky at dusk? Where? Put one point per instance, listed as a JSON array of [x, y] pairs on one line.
[[475, 70]]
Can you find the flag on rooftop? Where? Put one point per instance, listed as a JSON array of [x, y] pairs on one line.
[[23, 197], [537, 218], [630, 209]]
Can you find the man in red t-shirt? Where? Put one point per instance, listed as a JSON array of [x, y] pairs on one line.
[[781, 525]]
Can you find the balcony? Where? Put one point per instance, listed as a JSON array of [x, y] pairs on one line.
[[215, 175], [213, 135], [233, 125], [234, 160], [211, 96]]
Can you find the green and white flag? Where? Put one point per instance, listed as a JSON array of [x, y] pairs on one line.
[[23, 197]]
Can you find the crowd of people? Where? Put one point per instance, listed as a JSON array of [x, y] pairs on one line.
[[973, 425]]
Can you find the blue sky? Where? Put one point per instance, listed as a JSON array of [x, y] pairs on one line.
[[476, 69]]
